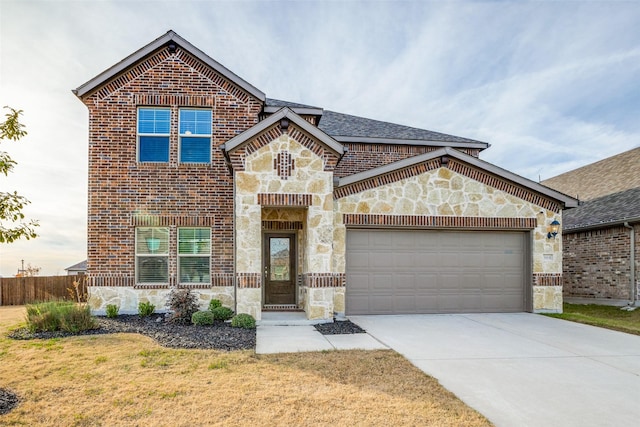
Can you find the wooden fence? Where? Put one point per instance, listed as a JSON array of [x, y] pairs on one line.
[[26, 290]]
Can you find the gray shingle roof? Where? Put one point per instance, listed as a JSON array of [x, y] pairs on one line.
[[613, 208], [82, 266], [345, 127], [338, 124], [270, 102]]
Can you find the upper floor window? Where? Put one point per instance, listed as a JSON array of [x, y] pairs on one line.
[[195, 135], [154, 126]]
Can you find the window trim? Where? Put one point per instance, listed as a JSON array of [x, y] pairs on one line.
[[179, 255], [208, 136], [139, 134], [150, 254]]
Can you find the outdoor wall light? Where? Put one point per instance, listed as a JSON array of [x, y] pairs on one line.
[[552, 230]]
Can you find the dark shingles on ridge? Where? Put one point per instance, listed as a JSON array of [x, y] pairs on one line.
[[345, 125], [607, 209], [270, 102], [338, 124]]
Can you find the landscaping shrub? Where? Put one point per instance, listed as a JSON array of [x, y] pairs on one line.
[[112, 310], [243, 320], [77, 319], [182, 303], [202, 318], [146, 309], [59, 315], [214, 303], [45, 316], [222, 313]]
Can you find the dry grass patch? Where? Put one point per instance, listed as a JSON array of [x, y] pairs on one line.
[[127, 379]]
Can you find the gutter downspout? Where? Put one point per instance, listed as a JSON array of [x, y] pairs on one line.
[[227, 161], [632, 272], [235, 237]]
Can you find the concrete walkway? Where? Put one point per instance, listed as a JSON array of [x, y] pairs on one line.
[[292, 339], [523, 369], [291, 332]]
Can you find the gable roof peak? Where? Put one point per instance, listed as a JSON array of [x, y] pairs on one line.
[[167, 39], [288, 114]]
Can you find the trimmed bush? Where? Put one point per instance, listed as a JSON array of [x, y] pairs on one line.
[[182, 303], [214, 303], [146, 309], [222, 313], [112, 311], [243, 320], [202, 318]]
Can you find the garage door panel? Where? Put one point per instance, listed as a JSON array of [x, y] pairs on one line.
[[380, 260], [380, 283], [359, 260], [409, 271], [404, 282], [382, 305]]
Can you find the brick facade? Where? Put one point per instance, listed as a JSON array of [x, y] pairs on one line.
[[361, 157], [280, 176], [121, 188], [597, 263]]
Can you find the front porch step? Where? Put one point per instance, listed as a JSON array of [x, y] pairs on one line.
[[288, 318], [280, 307]]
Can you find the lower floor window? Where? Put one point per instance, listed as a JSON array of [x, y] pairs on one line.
[[152, 255], [194, 254]]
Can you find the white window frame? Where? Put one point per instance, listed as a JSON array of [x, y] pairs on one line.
[[208, 136], [151, 254], [193, 255], [138, 134]]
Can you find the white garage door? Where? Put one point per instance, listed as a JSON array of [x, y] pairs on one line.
[[419, 271]]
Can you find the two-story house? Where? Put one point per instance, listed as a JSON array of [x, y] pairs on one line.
[[198, 180]]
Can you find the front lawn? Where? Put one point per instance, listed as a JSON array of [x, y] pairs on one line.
[[128, 379], [603, 316]]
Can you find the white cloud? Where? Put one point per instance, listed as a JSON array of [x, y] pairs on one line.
[[551, 85]]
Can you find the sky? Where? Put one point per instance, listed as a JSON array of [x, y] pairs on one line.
[[551, 85]]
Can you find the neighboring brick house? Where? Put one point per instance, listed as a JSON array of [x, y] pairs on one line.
[[198, 180], [601, 236]]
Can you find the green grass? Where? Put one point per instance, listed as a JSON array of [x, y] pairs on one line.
[[603, 316]]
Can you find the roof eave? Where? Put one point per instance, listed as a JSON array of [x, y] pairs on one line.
[[567, 201], [401, 141], [605, 224], [153, 46]]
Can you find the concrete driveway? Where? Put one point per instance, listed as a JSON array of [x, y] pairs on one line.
[[523, 369]]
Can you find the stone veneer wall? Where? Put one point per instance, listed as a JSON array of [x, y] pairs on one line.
[[441, 192], [128, 298], [597, 263], [263, 191]]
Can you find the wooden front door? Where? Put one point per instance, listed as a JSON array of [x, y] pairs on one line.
[[280, 268]]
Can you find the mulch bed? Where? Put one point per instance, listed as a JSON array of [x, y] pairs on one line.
[[220, 336], [339, 327], [8, 400]]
